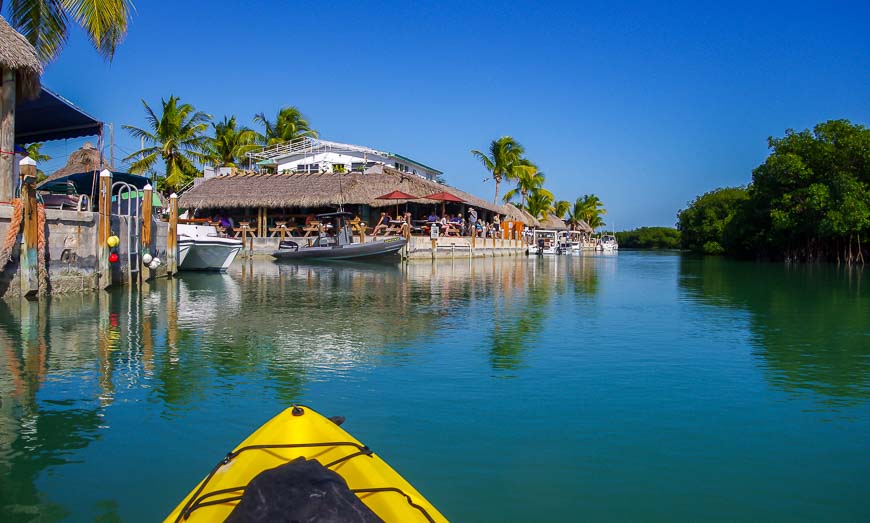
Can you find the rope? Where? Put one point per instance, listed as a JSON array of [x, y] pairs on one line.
[[8, 247], [11, 234], [40, 249]]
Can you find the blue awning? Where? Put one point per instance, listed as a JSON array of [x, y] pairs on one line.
[[52, 117]]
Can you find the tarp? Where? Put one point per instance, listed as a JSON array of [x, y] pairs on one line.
[[52, 117], [83, 183]]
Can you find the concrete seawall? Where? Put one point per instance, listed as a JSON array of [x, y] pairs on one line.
[[420, 247], [72, 250]]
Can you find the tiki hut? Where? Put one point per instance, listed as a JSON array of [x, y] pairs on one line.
[[582, 226], [86, 159], [553, 222], [20, 70], [19, 58], [248, 190]]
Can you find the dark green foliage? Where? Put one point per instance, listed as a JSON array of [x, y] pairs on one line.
[[649, 238], [809, 200], [702, 224]]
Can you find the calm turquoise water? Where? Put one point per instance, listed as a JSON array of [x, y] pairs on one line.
[[637, 387]]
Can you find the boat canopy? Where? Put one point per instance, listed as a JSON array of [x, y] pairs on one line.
[[343, 214]]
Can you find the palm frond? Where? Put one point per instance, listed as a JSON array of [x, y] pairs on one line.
[[104, 21], [43, 23]]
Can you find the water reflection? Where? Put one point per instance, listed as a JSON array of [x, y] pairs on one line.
[[177, 345], [809, 322]]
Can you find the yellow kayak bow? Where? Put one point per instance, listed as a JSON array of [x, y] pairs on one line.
[[300, 432]]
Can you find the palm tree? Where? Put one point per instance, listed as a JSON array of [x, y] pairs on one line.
[[540, 203], [229, 144], [588, 208], [177, 137], [289, 125], [45, 23], [503, 153], [561, 208], [528, 178], [33, 151]]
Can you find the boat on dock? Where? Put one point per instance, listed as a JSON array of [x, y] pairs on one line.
[[337, 245], [202, 248]]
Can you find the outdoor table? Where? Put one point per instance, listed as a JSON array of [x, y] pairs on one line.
[[243, 229], [283, 229]]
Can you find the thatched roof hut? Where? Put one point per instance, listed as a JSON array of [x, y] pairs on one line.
[[85, 159], [553, 222], [251, 190], [17, 54]]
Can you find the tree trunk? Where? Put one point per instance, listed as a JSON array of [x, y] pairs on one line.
[[497, 180]]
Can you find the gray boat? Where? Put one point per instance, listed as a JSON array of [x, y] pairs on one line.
[[339, 246]]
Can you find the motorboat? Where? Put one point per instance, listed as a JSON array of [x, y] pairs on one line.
[[544, 242], [202, 248], [574, 242], [608, 243], [337, 245]]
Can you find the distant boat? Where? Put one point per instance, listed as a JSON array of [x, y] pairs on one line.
[[544, 242], [201, 248], [339, 246], [608, 243]]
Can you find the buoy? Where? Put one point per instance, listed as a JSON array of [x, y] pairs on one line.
[[146, 259], [113, 258], [154, 263], [113, 241]]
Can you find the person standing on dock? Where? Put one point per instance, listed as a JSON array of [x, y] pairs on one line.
[[472, 221]]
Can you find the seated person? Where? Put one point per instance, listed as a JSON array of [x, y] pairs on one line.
[[433, 218], [382, 225]]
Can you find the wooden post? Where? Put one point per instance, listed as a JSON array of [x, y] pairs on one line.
[[172, 237], [434, 247], [144, 270], [473, 236], [105, 229], [362, 232], [28, 268], [7, 136]]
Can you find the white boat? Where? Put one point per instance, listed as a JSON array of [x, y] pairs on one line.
[[201, 248], [608, 243], [544, 242]]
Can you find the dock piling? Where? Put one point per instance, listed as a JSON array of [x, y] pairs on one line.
[[105, 229], [172, 237], [29, 263]]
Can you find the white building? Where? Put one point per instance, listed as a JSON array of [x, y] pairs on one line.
[[312, 155]]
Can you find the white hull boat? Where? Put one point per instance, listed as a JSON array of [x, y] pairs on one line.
[[608, 243], [201, 248]]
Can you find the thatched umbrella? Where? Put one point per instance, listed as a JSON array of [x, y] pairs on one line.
[[20, 70], [396, 195]]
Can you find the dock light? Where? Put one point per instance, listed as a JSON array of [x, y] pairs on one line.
[[146, 259], [113, 258], [113, 241]]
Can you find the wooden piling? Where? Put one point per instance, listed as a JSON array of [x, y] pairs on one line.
[[172, 237], [105, 229], [28, 268], [144, 270], [7, 135]]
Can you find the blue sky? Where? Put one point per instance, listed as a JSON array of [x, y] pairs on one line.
[[645, 104]]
